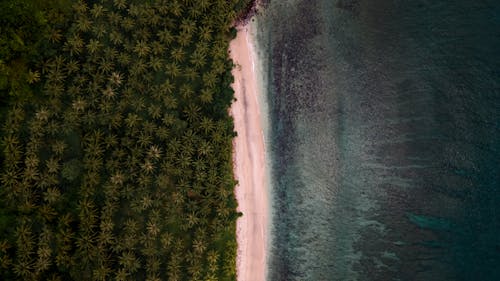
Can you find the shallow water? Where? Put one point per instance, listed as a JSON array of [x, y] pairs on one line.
[[384, 139]]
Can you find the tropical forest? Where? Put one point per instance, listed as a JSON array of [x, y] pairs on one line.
[[116, 140]]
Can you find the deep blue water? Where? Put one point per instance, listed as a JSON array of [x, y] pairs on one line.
[[384, 138]]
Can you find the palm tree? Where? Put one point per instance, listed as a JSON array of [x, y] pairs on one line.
[[207, 125], [167, 87], [33, 77], [157, 48], [74, 45], [59, 147], [10, 177], [54, 91], [97, 10], [128, 260], [218, 66], [117, 179], [101, 273], [191, 74], [211, 277], [154, 152], [108, 93], [162, 7], [47, 213], [53, 165], [172, 69], [152, 228], [153, 276], [177, 54], [132, 120], [142, 34], [156, 63], [115, 37], [212, 258], [153, 264], [198, 59], [206, 95], [31, 161], [184, 39], [223, 211], [195, 11], [138, 103], [124, 59], [206, 33], [134, 10], [79, 104], [186, 91], [138, 68], [192, 112], [153, 19], [80, 6], [12, 152], [174, 267], [120, 4], [177, 198], [72, 66], [128, 23], [121, 274], [99, 30], [47, 180], [83, 24], [176, 8], [116, 78], [23, 269], [85, 247], [144, 139], [52, 195], [107, 225], [184, 161], [16, 114], [80, 79], [105, 107], [199, 245], [219, 49], [166, 240], [114, 18], [154, 111], [162, 133], [204, 148], [149, 127], [55, 76], [192, 219], [93, 46], [188, 26], [110, 53], [106, 65], [204, 5], [210, 79], [165, 36]]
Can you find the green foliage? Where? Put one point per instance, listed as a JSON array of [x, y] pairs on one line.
[[26, 28], [121, 167], [71, 169]]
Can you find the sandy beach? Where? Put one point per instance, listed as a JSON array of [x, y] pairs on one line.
[[249, 163]]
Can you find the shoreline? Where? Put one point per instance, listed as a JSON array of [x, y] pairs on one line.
[[249, 163]]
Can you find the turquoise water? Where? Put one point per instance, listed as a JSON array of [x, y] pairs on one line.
[[384, 139]]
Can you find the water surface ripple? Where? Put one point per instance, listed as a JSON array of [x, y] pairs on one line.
[[384, 138]]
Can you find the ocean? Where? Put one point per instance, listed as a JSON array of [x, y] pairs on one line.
[[383, 140]]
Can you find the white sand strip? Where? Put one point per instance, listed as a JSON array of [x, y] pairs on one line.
[[249, 163]]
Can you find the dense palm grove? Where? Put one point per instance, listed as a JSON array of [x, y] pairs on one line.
[[119, 166]]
